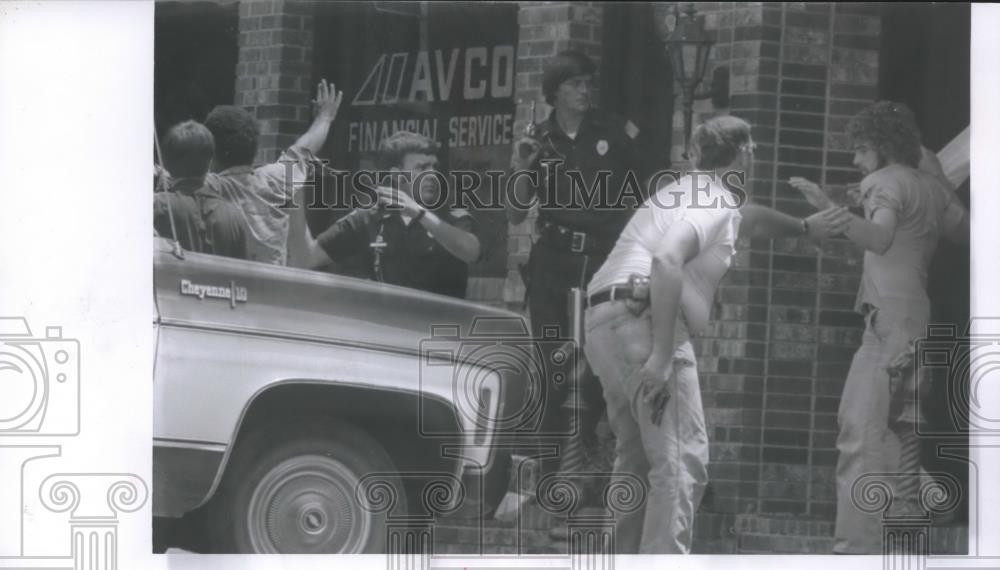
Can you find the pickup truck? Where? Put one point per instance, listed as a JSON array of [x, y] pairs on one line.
[[278, 390]]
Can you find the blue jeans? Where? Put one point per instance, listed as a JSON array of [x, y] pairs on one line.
[[867, 442], [671, 459]]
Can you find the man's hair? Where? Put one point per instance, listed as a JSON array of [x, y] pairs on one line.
[[188, 149], [718, 141], [890, 129], [563, 66], [236, 134], [392, 149]]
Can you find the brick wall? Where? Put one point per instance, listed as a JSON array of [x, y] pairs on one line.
[[274, 70], [775, 360]]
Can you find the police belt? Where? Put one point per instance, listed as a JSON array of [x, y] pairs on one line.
[[562, 238], [615, 293]]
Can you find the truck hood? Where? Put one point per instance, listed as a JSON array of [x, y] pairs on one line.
[[208, 291]]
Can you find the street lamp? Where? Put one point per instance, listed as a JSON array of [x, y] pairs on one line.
[[689, 46]]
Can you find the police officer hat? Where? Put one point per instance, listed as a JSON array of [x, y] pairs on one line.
[[564, 65]]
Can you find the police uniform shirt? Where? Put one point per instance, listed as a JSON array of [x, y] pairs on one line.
[[602, 143], [411, 256]]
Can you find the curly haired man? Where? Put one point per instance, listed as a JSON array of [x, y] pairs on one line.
[[906, 212]]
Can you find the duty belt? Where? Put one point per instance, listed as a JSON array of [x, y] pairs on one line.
[[566, 239]]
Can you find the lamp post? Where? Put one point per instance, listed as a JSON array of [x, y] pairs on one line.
[[689, 46]]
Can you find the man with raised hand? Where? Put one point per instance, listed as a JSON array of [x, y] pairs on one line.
[[265, 192]]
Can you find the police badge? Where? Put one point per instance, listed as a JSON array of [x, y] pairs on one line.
[[602, 147]]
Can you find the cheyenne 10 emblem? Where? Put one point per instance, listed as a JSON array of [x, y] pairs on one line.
[[233, 293]]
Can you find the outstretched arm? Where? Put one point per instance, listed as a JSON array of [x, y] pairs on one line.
[[763, 222], [875, 235], [327, 103]]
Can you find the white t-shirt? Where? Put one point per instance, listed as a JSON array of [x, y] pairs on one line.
[[714, 215]]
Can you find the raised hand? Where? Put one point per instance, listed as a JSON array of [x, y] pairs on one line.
[[812, 192], [526, 151], [327, 101], [393, 199], [829, 222]]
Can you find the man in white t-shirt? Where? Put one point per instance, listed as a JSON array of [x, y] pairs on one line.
[[655, 289]]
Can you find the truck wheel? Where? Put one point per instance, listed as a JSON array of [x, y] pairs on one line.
[[291, 489]]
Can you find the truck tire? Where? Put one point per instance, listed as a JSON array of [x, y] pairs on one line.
[[290, 487]]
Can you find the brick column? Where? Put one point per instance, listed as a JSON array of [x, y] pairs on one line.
[[774, 361], [274, 70], [544, 29], [731, 351]]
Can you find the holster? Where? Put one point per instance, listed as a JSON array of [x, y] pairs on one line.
[[901, 371], [522, 268], [640, 294]]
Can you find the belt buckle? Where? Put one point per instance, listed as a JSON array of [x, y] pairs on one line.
[[578, 242]]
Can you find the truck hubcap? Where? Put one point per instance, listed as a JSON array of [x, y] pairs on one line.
[[307, 505]]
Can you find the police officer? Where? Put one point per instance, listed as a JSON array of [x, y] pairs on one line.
[[586, 165]]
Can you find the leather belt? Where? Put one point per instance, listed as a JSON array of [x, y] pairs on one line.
[[566, 239], [615, 293]]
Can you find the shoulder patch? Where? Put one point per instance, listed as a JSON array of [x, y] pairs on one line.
[[631, 130]]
